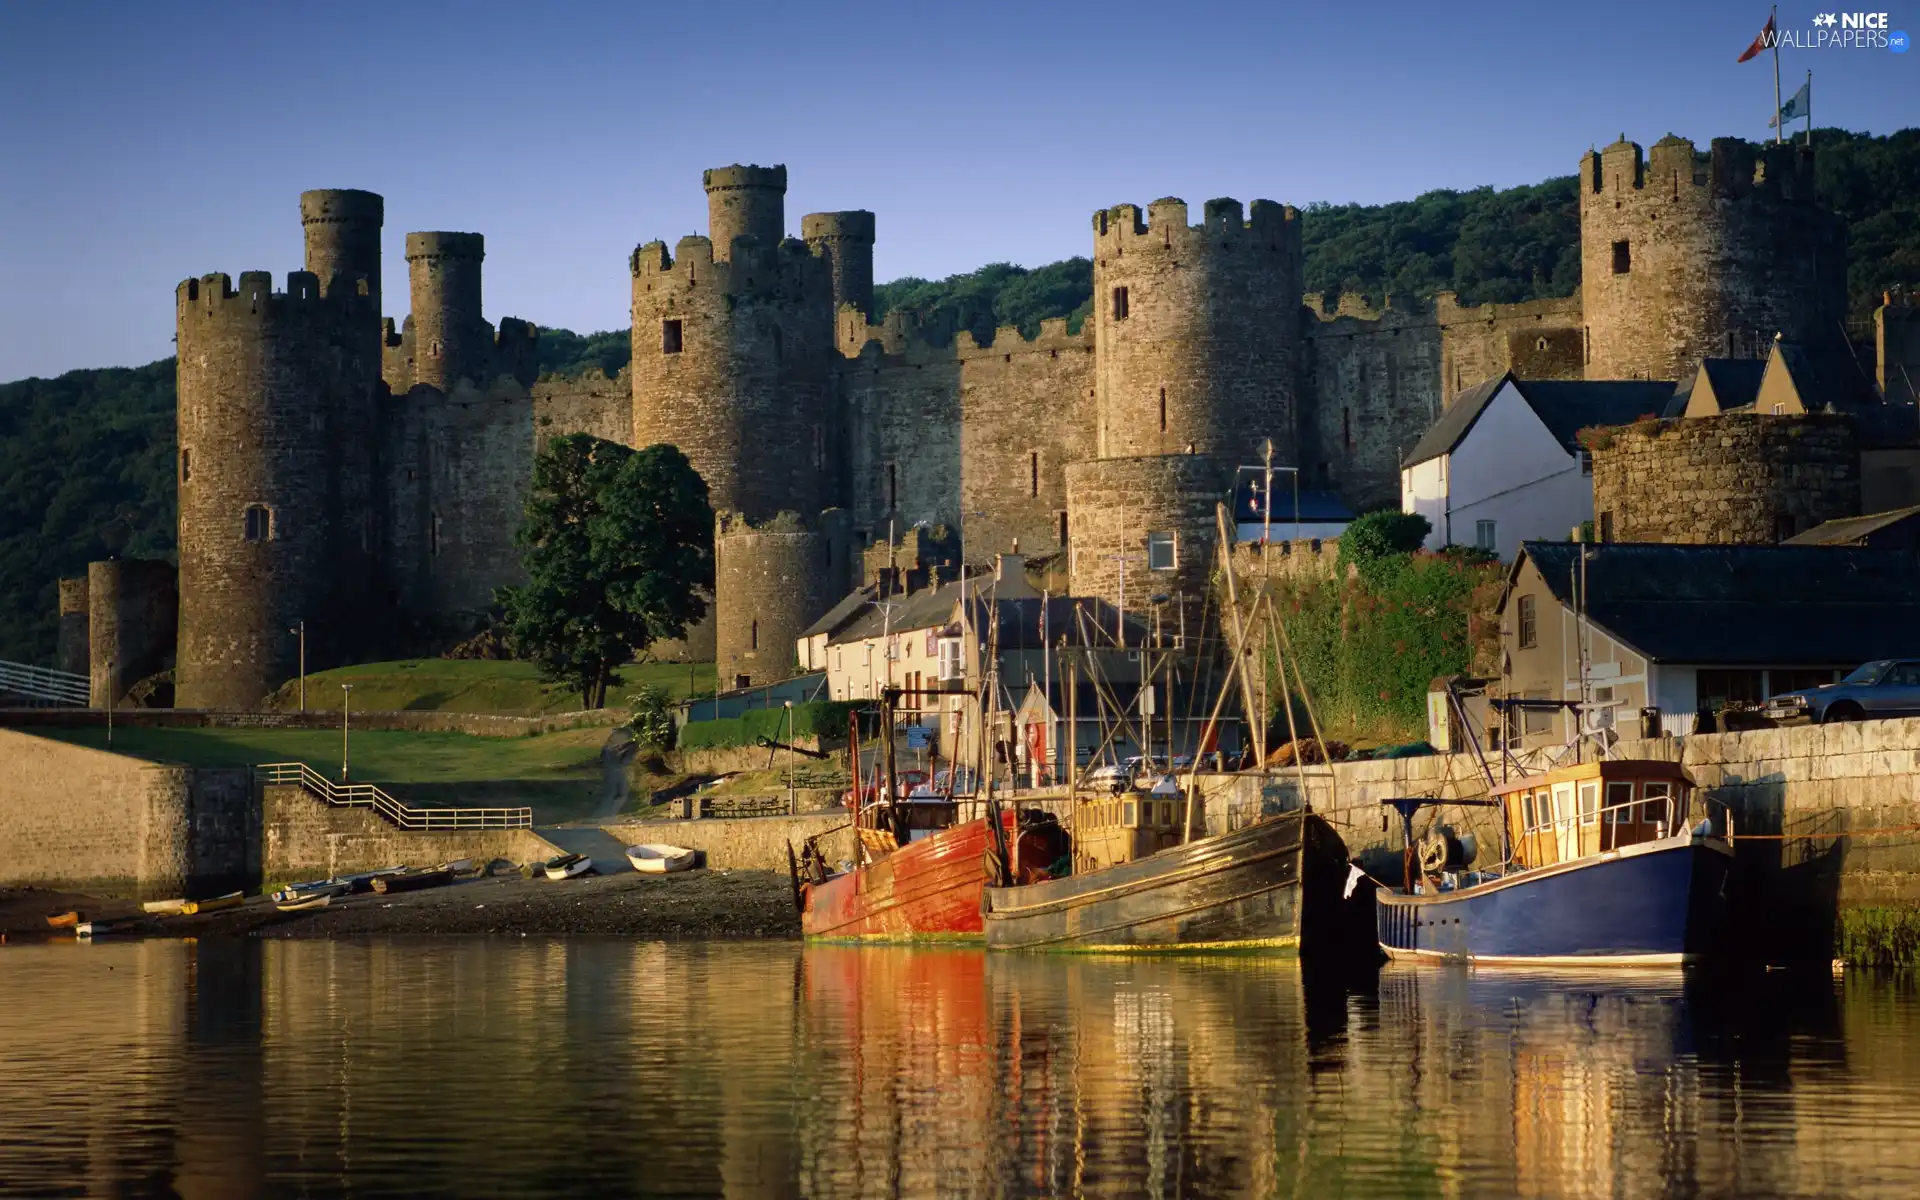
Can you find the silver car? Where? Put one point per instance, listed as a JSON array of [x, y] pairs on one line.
[[1886, 687]]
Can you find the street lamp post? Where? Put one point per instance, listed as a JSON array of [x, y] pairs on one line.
[[346, 704], [300, 631]]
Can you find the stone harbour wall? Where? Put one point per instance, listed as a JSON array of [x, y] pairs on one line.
[[304, 837], [745, 843]]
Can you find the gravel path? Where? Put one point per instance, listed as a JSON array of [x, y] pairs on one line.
[[694, 905]]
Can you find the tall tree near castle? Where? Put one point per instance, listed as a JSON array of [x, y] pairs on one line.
[[619, 545]]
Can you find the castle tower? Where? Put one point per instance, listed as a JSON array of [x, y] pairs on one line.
[[1685, 256], [730, 363], [342, 228], [264, 380], [845, 239], [71, 652], [1197, 330], [771, 581], [451, 339], [132, 619], [745, 201]]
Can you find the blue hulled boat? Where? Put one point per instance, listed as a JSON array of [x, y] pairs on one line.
[[1608, 863]]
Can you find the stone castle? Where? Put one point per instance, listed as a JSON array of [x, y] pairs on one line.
[[367, 480]]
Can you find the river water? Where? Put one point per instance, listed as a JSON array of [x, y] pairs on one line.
[[600, 1068]]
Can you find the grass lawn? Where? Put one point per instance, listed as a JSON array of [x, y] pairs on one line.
[[558, 774], [477, 686]]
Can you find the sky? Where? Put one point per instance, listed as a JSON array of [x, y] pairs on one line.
[[143, 143]]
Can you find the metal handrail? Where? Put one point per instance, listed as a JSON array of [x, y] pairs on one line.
[[404, 816], [44, 683]]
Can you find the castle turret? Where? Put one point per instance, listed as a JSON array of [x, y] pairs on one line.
[[772, 580], [264, 380], [845, 239], [745, 201], [1197, 330], [342, 228], [1685, 256], [450, 338]]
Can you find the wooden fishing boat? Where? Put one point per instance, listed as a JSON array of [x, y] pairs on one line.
[[164, 908], [1612, 862], [65, 920], [929, 887], [567, 866], [363, 881], [658, 858], [304, 903], [411, 881], [1278, 884], [216, 904]]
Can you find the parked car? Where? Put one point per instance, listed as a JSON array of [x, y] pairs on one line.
[[1114, 777], [1887, 687]]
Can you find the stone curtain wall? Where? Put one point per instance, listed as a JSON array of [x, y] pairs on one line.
[[1026, 411], [588, 403], [1738, 477], [903, 437], [1113, 504], [83, 819]]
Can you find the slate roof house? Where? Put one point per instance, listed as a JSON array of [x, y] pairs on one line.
[[1503, 463], [1688, 628]]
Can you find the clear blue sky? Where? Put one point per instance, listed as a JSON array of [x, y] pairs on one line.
[[141, 143]]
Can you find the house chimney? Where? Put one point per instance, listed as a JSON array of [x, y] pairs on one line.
[[1009, 566]]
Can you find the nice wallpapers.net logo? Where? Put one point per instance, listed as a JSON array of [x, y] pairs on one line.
[[1846, 31]]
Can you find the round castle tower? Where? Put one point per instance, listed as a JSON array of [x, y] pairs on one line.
[[745, 201], [845, 240], [771, 581], [451, 339], [261, 482], [1685, 256], [342, 227], [1196, 330]]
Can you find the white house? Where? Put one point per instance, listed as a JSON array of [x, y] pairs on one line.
[[1503, 464]]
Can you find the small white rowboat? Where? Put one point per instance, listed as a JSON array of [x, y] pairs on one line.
[[569, 865], [315, 900], [658, 858], [164, 908]]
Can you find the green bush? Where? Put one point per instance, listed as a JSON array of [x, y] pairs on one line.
[[1880, 936], [821, 718]]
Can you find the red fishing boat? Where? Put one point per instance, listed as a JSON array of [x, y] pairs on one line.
[[921, 870]]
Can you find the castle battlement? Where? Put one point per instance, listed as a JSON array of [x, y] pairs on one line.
[[744, 176], [1674, 169], [1007, 340], [1225, 225], [446, 245], [899, 334], [752, 266], [218, 297], [855, 224]]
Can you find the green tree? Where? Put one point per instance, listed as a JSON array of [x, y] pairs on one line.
[[619, 543], [1379, 543]]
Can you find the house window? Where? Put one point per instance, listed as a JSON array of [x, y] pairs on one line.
[[1033, 472], [186, 464], [670, 337], [1793, 681], [1161, 552], [1622, 258], [259, 523], [1483, 535], [1529, 626], [951, 665], [1119, 304], [1163, 410], [1606, 526]]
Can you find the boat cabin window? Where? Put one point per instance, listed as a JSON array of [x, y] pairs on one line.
[[1657, 806], [1589, 803], [1127, 814], [1620, 803], [1527, 819]]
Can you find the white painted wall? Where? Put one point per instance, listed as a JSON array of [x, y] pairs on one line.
[[1508, 469]]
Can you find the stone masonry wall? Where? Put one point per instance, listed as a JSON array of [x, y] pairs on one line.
[[1026, 411], [133, 619], [82, 819], [306, 838], [587, 403], [71, 654], [745, 843], [1114, 504], [1746, 478], [903, 438]]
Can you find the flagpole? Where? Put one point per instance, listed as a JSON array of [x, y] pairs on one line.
[[1809, 109], [1774, 21]]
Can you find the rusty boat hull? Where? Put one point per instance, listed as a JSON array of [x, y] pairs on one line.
[[929, 888]]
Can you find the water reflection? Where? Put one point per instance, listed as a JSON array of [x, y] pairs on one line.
[[596, 1068]]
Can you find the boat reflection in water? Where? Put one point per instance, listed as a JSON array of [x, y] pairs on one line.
[[532, 1068]]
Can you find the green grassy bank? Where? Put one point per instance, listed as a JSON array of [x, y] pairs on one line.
[[477, 686]]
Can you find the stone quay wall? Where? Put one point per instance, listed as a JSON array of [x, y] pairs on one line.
[[82, 819], [307, 838], [745, 843]]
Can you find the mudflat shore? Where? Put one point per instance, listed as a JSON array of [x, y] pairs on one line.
[[692, 906]]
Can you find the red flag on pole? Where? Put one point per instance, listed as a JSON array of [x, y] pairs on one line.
[[1764, 41]]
